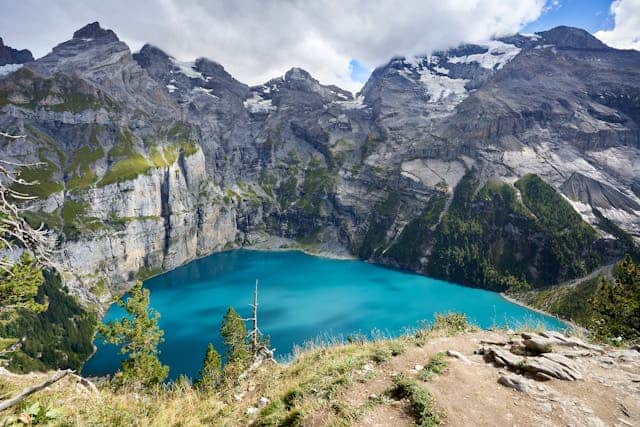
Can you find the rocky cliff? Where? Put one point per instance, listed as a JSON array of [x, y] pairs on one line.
[[494, 164]]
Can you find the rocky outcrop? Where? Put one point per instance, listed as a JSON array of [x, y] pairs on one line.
[[541, 356], [9, 55]]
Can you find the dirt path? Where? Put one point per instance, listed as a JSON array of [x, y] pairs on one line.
[[468, 394]]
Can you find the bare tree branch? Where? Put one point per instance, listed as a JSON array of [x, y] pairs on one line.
[[14, 229], [30, 390]]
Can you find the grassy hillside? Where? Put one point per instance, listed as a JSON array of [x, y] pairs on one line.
[[314, 386], [491, 239]]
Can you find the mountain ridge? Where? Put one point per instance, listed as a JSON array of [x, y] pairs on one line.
[[152, 162]]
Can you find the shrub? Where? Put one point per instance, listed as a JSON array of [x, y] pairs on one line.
[[421, 401], [436, 365], [452, 323]]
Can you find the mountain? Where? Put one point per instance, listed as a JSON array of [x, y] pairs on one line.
[[9, 55], [11, 59], [506, 164]]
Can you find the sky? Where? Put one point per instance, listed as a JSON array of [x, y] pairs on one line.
[[338, 41]]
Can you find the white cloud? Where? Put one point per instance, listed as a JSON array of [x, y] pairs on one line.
[[626, 31], [260, 39]]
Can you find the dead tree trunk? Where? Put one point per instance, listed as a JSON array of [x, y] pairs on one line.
[[30, 390], [255, 332]]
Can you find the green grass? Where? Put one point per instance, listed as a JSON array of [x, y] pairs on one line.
[[82, 165], [436, 365], [168, 154], [126, 169], [145, 272], [40, 180], [420, 400], [315, 387], [73, 210], [76, 221], [35, 92], [51, 220], [189, 147], [130, 163], [163, 156]]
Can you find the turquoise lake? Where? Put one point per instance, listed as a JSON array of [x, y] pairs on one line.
[[303, 298]]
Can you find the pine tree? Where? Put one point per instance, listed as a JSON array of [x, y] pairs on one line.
[[234, 336], [616, 306], [139, 335], [211, 372], [19, 285]]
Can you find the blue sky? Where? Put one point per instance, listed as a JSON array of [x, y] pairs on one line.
[[591, 15]]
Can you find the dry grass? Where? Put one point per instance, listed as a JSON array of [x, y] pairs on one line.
[[312, 386]]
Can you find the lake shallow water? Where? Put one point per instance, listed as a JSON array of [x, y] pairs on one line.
[[302, 298]]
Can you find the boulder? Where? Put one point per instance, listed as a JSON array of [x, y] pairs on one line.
[[515, 382], [538, 345], [546, 366]]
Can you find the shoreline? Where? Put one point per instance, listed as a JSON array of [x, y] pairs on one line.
[[516, 301], [275, 243]]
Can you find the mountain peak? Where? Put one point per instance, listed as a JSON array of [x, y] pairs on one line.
[[150, 54], [297, 73], [210, 67], [95, 31], [8, 55], [564, 37]]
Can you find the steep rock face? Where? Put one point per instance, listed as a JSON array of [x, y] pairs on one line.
[[150, 162], [123, 183], [156, 222]]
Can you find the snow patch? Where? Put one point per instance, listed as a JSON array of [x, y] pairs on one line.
[[532, 36], [441, 70], [498, 55], [355, 104], [414, 61], [257, 104], [204, 91], [187, 68], [443, 90], [340, 95], [9, 68]]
